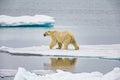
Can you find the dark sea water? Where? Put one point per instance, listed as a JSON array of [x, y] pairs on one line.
[[92, 22]]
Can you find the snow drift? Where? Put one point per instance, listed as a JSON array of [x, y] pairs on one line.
[[22, 74], [88, 51], [26, 21]]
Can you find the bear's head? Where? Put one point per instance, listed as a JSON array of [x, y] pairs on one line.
[[49, 33]]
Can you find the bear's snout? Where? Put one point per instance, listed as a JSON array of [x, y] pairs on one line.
[[44, 34]]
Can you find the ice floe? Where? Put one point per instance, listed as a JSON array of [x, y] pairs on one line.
[[22, 21], [22, 74], [12, 72], [92, 51]]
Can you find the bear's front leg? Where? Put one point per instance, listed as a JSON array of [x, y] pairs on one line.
[[52, 44], [59, 45]]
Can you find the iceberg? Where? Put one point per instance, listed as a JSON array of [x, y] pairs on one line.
[[86, 51], [23, 74], [26, 21]]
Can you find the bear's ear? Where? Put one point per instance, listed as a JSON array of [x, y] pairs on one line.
[[49, 31], [53, 31]]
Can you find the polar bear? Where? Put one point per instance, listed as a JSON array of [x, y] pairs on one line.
[[61, 37]]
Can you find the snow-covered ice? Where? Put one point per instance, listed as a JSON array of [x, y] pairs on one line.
[[94, 51], [12, 72], [25, 20], [22, 74]]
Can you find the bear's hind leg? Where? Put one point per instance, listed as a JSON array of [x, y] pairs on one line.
[[66, 46], [76, 46]]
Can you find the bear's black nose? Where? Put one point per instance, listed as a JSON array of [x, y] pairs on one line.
[[44, 34]]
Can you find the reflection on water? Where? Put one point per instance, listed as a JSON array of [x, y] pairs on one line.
[[66, 64], [63, 63]]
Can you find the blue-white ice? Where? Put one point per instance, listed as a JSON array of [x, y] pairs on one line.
[[94, 51], [26, 20], [22, 74]]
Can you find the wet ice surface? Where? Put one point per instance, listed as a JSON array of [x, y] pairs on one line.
[[94, 51]]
